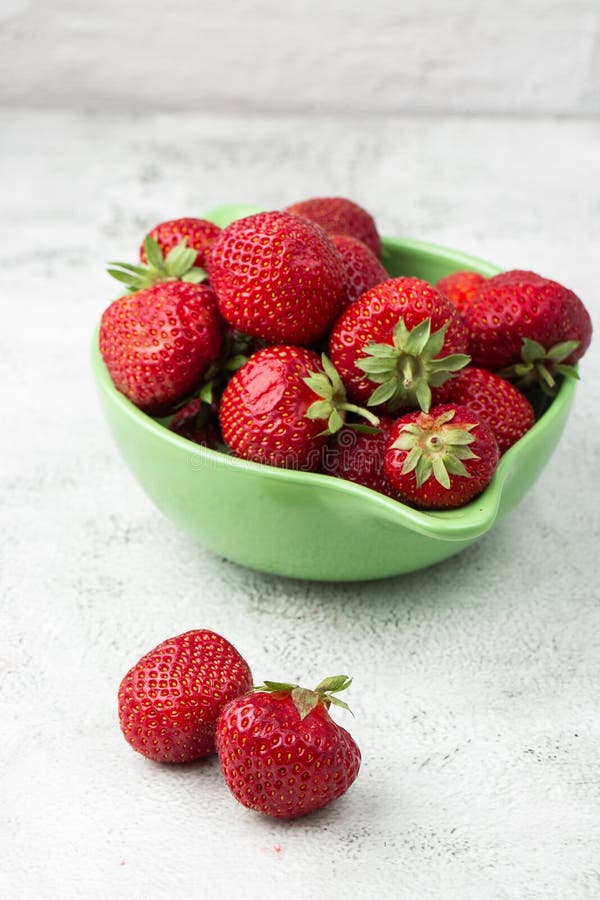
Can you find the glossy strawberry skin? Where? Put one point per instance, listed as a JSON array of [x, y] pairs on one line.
[[157, 342], [519, 304], [277, 277], [169, 702], [373, 317], [263, 408], [279, 765], [363, 269], [338, 215], [496, 402], [358, 457], [460, 287], [432, 495], [199, 234]]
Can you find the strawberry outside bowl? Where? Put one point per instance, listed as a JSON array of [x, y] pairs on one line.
[[313, 526]]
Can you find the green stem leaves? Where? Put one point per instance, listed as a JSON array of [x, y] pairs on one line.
[[406, 370], [177, 265]]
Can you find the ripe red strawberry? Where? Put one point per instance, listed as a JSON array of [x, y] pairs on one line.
[[440, 459], [337, 215], [460, 287], [199, 235], [277, 277], [495, 401], [280, 752], [387, 346], [169, 702], [358, 456], [193, 421], [280, 406], [536, 326], [157, 342], [363, 269]]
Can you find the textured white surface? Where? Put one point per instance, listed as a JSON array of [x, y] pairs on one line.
[[476, 682], [477, 56]]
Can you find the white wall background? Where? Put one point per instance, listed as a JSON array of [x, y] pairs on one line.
[[526, 57]]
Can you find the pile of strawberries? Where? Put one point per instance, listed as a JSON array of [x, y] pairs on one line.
[[279, 751], [283, 340]]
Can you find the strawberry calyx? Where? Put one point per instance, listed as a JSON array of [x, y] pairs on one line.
[[333, 404], [306, 700], [436, 448], [541, 366], [177, 265], [407, 369]]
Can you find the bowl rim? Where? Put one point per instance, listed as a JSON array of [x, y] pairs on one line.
[[462, 523]]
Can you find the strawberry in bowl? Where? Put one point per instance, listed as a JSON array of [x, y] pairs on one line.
[[269, 483]]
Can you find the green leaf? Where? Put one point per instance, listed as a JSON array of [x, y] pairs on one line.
[[423, 470], [235, 362], [363, 429], [436, 341], [337, 702], [376, 365], [423, 395], [417, 338], [459, 435], [277, 686], [411, 459], [320, 384], [463, 453], [383, 393], [545, 375], [560, 351], [332, 373], [451, 363], [206, 392], [124, 277], [320, 409], [305, 701], [385, 351], [455, 467], [335, 422], [401, 334], [153, 253], [183, 264], [334, 683], [440, 473], [568, 371], [137, 270], [195, 275]]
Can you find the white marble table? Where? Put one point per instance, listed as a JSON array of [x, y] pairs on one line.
[[475, 683]]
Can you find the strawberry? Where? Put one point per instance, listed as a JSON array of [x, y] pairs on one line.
[[459, 287], [176, 264], [495, 401], [358, 456], [530, 326], [199, 235], [363, 269], [277, 277], [337, 215], [279, 408], [169, 702], [193, 422], [387, 345], [157, 342], [281, 753], [440, 459]]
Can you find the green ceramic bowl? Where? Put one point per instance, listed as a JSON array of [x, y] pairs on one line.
[[315, 526]]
